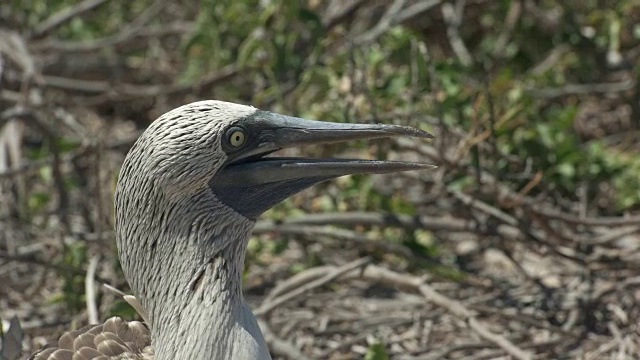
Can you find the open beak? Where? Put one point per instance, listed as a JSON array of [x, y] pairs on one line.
[[251, 183]]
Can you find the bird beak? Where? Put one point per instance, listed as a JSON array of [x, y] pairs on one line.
[[251, 183]]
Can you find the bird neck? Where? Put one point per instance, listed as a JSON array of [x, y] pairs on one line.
[[212, 322], [186, 268]]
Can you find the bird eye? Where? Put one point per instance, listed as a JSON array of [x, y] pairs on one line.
[[236, 137]]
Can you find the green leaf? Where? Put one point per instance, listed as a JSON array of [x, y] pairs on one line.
[[376, 352], [38, 201], [122, 309]]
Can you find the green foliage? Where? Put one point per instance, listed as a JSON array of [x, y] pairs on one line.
[[122, 309], [108, 20], [390, 76], [74, 258], [38, 200], [622, 168], [376, 351]]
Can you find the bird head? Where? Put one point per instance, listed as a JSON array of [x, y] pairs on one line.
[[223, 146], [194, 182]]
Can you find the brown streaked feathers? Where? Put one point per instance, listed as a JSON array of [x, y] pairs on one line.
[[116, 339]]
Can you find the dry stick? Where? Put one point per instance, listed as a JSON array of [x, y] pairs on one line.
[[453, 18], [513, 15], [511, 221], [382, 275], [504, 192], [36, 121], [28, 166], [342, 234], [71, 84], [279, 346], [581, 89], [386, 21], [61, 17], [532, 205], [601, 350], [550, 60], [354, 218], [129, 31], [342, 345], [119, 41], [395, 14], [616, 287], [128, 92], [611, 235], [415, 9], [31, 260], [297, 280], [453, 306], [114, 290], [266, 307], [484, 207], [588, 221], [441, 353], [544, 344], [524, 320], [16, 50], [90, 290], [131, 300]]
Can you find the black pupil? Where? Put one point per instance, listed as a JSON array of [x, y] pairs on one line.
[[237, 137]]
